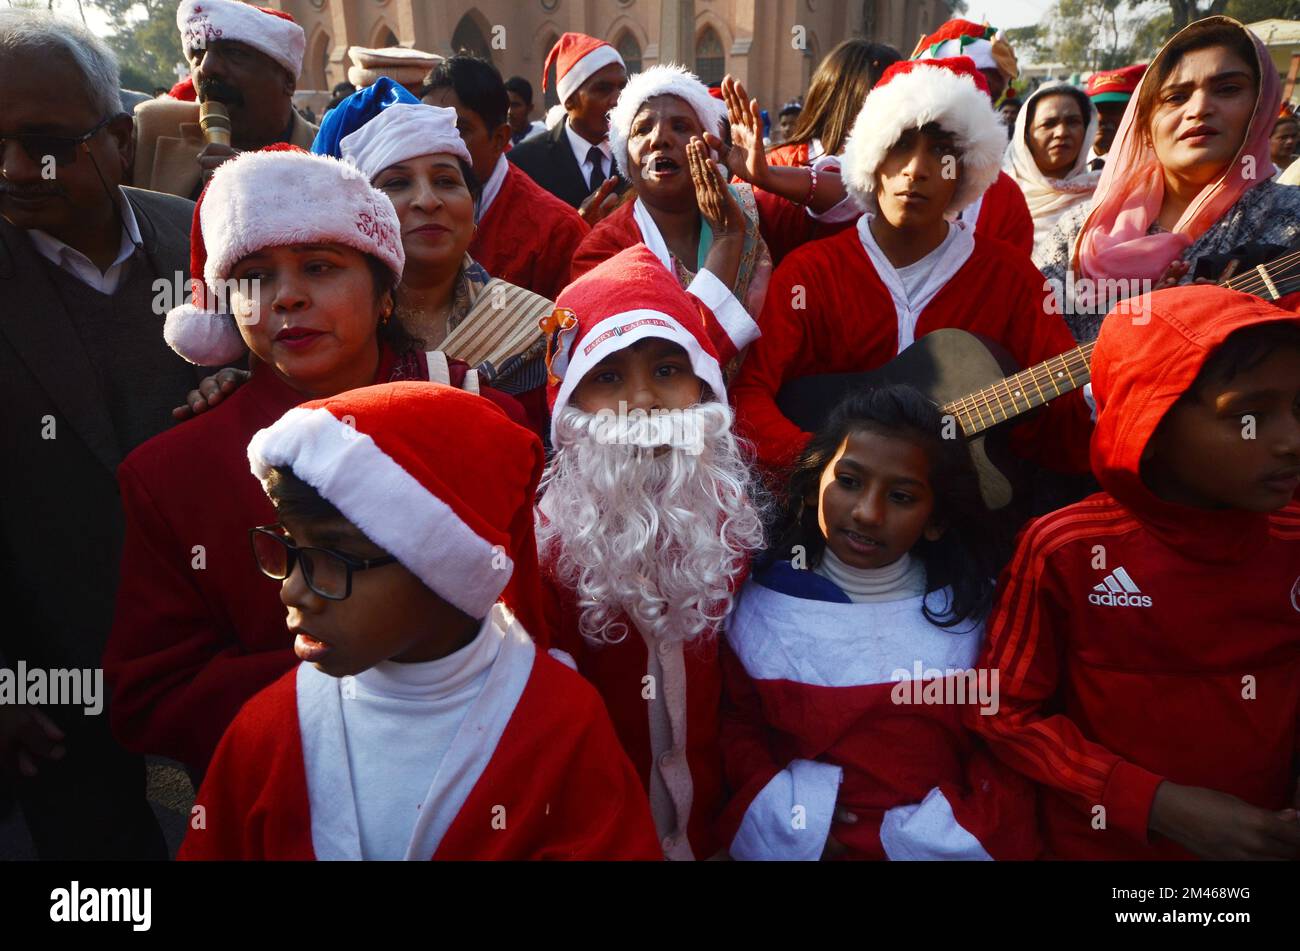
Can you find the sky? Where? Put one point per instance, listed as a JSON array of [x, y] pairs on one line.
[[1006, 14]]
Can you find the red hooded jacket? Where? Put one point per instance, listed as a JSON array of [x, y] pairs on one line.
[[1138, 640]]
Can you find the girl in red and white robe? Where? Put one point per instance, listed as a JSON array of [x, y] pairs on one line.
[[847, 669]]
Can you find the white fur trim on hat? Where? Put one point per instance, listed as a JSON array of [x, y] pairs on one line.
[[390, 506], [619, 331], [915, 99], [400, 133], [602, 56], [555, 115], [204, 338], [270, 199], [201, 21], [664, 80]]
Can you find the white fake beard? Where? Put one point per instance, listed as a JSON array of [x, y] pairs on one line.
[[658, 533]]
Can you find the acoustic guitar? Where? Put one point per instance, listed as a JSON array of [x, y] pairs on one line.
[[970, 378]]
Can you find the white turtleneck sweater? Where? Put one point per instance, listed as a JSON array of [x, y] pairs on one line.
[[899, 581], [399, 720]]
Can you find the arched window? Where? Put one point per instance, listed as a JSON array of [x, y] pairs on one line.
[[386, 39], [317, 65], [468, 38], [630, 50], [710, 60]]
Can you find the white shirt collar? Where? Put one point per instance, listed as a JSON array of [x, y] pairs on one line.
[[81, 267], [581, 147], [493, 185]]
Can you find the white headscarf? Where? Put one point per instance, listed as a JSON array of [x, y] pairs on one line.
[[1049, 198]]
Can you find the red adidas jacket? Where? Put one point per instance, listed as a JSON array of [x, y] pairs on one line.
[[1138, 640]]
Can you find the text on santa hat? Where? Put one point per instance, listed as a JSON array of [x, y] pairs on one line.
[[621, 329]]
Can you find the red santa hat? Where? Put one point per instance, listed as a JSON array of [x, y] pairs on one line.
[[915, 93], [577, 57], [664, 80], [627, 298], [979, 41], [278, 196], [439, 478], [1114, 85], [268, 31]]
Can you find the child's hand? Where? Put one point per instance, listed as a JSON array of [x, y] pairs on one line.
[[835, 849], [1215, 825], [211, 391]]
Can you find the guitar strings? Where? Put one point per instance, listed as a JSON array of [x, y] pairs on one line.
[[1042, 375], [980, 408]]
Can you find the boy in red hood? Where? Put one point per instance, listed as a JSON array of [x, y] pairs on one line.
[[1147, 639]]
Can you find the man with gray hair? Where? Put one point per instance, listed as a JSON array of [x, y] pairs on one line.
[[85, 376]]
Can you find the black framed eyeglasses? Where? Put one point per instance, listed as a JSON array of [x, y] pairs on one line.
[[327, 572], [63, 149]]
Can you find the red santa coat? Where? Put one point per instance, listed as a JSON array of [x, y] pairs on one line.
[[690, 685], [1128, 629], [860, 705], [528, 236], [197, 628], [534, 772], [1002, 213], [830, 310]]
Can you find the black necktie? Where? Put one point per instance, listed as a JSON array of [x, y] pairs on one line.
[[595, 157]]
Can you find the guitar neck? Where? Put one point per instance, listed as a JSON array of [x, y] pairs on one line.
[[1028, 389]]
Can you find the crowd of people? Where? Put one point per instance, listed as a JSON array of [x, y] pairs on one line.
[[434, 482]]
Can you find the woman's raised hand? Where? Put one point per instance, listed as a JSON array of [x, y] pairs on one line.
[[718, 206], [746, 158]]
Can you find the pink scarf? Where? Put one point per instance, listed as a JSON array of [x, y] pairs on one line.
[[1113, 243]]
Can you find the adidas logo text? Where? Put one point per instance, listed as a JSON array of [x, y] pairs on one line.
[[1118, 590]]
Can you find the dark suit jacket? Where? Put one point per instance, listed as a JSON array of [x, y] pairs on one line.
[[79, 389], [60, 518], [548, 159]]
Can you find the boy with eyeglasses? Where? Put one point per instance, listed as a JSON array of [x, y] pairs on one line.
[[423, 721]]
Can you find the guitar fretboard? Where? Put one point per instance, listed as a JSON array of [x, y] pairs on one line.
[[1039, 384], [1026, 390]]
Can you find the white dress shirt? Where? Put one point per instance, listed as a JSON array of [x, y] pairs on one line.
[[493, 186], [581, 147], [80, 266]]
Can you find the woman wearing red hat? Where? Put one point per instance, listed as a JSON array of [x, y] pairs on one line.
[[296, 259], [1189, 175]]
